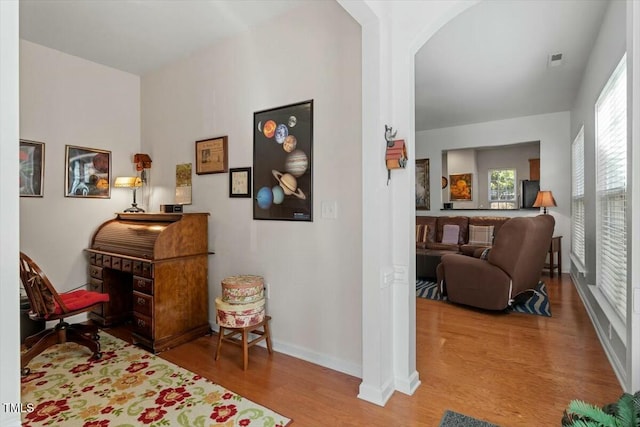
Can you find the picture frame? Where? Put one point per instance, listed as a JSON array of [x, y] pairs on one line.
[[87, 172], [240, 182], [212, 155], [423, 192], [283, 163], [460, 187], [31, 168]]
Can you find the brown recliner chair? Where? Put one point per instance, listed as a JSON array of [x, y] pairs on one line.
[[511, 269]]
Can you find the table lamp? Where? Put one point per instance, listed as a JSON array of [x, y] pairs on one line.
[[132, 182], [544, 199]]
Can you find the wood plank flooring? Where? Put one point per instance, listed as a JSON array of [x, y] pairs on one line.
[[509, 369]]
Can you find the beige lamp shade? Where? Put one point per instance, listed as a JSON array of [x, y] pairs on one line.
[[127, 182], [133, 182], [544, 199]]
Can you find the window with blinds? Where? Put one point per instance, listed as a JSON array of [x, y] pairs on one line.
[[577, 197], [611, 189]]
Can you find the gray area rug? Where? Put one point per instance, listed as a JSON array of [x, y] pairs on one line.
[[454, 419]]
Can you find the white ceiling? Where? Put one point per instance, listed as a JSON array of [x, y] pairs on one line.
[[139, 36], [489, 63]]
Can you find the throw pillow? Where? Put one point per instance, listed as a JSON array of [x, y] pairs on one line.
[[450, 234], [485, 253], [422, 231], [481, 235]]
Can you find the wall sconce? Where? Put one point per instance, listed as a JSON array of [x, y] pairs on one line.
[[132, 182], [544, 199]]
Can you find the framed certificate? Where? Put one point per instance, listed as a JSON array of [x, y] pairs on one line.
[[240, 182], [211, 155]]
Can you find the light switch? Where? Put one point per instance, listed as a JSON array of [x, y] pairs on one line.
[[330, 209]]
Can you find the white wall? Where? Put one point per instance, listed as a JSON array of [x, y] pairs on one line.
[[552, 130], [9, 214], [68, 100], [608, 49], [313, 269]]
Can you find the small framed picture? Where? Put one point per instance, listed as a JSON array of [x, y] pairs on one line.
[[240, 182], [211, 155], [88, 172], [31, 168]]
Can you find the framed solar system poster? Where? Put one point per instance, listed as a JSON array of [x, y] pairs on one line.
[[282, 163]]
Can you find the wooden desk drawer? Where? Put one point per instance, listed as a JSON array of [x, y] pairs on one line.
[[142, 304], [116, 263], [95, 271], [99, 260], [92, 258], [142, 284], [127, 265], [143, 325], [106, 261], [95, 285]]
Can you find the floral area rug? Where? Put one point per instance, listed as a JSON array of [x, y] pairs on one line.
[[129, 387]]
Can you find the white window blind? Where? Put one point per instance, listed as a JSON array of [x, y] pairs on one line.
[[577, 197], [611, 189]]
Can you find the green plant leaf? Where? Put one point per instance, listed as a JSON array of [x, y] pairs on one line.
[[592, 413]]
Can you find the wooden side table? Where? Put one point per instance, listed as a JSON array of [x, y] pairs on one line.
[[555, 255], [243, 340]]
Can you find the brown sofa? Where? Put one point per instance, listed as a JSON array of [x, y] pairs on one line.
[[429, 232], [511, 269]]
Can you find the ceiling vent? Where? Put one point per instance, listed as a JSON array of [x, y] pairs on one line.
[[555, 60]]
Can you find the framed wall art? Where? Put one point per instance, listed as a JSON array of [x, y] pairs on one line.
[[283, 163], [240, 182], [31, 168], [87, 173], [211, 155], [423, 196], [460, 187]]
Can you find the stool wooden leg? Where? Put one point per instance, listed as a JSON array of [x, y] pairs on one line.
[[267, 333], [245, 348], [220, 336]]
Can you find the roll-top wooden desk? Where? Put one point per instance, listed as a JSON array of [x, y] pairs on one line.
[[154, 266]]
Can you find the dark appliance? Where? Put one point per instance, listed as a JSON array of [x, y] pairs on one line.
[[529, 192]]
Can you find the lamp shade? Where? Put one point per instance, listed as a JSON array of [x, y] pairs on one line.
[[544, 199], [127, 182]]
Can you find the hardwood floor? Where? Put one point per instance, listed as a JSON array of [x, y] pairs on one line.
[[509, 369]]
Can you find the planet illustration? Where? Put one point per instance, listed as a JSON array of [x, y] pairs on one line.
[[269, 128], [292, 121], [260, 126], [289, 143], [296, 163], [281, 133], [264, 198], [278, 194], [289, 184]]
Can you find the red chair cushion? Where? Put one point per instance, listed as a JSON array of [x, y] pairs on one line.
[[77, 300]]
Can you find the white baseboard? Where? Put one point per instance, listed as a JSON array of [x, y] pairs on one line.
[[408, 385], [378, 396], [305, 354]]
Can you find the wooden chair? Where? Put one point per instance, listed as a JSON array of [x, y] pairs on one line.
[[48, 305]]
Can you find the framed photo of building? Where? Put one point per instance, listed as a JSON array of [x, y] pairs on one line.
[[212, 155], [87, 172], [423, 196], [31, 168], [283, 163]]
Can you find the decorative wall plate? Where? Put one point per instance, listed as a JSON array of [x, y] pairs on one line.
[[445, 182]]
